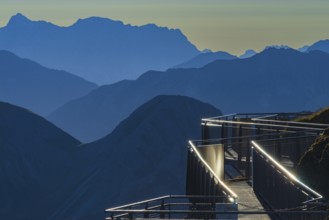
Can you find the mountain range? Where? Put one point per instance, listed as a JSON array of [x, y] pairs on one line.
[[322, 45], [203, 59], [100, 50], [247, 54], [274, 80], [47, 174], [42, 90]]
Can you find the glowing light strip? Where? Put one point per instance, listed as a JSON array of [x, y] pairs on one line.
[[261, 124], [291, 122], [217, 117], [212, 125], [213, 173], [290, 175]]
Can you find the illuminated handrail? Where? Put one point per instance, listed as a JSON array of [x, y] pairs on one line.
[[271, 136], [257, 115], [292, 122], [288, 174], [263, 124], [221, 183]]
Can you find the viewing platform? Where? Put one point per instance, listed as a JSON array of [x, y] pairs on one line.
[[242, 168]]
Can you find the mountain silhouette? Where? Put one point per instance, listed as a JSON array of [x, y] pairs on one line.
[[145, 156], [303, 48], [46, 174], [247, 54], [42, 90], [322, 45], [98, 49], [274, 80], [35, 159], [202, 59]]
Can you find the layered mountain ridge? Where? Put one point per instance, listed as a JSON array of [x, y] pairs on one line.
[[145, 156], [100, 50], [274, 80], [205, 58], [322, 45], [30, 85]]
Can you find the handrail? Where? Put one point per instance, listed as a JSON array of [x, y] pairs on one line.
[[291, 122], [221, 116], [257, 115], [288, 174], [303, 212], [161, 198], [262, 124], [226, 188], [164, 205], [138, 203], [256, 136]]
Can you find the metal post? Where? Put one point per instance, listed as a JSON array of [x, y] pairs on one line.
[[146, 214], [240, 148], [204, 132], [248, 159], [252, 167], [162, 215]]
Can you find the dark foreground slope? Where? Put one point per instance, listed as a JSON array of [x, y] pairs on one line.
[[314, 165], [274, 80], [145, 156], [35, 159], [321, 116], [30, 85]]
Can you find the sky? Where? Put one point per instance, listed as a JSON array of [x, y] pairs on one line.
[[225, 25]]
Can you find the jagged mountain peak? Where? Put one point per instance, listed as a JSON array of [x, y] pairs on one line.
[[18, 19], [21, 22], [277, 52], [94, 20], [98, 49]]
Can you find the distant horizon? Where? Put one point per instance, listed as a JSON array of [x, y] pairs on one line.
[[233, 26], [205, 49]]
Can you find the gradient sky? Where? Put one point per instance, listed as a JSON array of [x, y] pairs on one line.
[[228, 25]]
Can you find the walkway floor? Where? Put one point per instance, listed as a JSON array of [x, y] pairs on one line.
[[247, 201]]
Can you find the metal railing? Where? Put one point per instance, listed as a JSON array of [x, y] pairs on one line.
[[235, 132], [281, 189], [201, 178], [181, 207], [284, 141], [176, 206], [262, 147], [277, 185]]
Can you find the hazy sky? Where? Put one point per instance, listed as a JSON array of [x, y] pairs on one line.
[[229, 25]]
